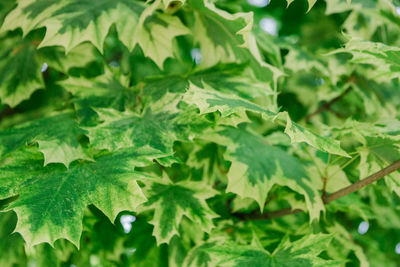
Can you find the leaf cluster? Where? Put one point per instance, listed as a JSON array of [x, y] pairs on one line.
[[178, 133]]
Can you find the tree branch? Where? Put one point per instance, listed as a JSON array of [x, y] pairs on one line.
[[362, 183], [327, 198], [271, 214]]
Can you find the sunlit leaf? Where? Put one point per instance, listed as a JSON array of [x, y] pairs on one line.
[[51, 200], [173, 201]]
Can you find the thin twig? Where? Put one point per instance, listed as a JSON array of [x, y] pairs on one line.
[[273, 214], [327, 105], [327, 198]]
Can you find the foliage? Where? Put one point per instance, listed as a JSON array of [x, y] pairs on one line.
[[181, 133]]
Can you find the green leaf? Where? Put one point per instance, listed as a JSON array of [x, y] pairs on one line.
[[18, 80], [299, 60], [143, 246], [232, 79], [171, 201], [205, 160], [256, 167], [156, 35], [51, 200], [72, 22], [224, 37], [384, 58], [198, 256], [187, 101], [127, 129], [56, 58], [104, 91], [12, 249], [311, 3], [56, 135], [352, 204], [343, 245], [155, 90], [177, 250], [339, 6], [379, 147], [5, 7], [298, 134], [302, 252], [377, 153], [21, 66], [176, 3], [208, 100]]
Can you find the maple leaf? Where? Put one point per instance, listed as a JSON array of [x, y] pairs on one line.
[[12, 245], [70, 23], [303, 252], [14, 87], [105, 91], [19, 79], [51, 200], [384, 58], [127, 129], [224, 37], [171, 201], [56, 135], [257, 166], [209, 100]]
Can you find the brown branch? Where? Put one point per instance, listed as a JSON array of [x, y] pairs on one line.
[[328, 198], [7, 112], [362, 183], [324, 182], [271, 214], [337, 114], [327, 105]]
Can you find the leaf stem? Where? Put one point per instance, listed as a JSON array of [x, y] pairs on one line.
[[312, 159]]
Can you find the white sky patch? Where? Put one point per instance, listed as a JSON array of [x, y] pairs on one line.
[[114, 64], [94, 260], [126, 222], [269, 25], [363, 227], [319, 81], [44, 67], [197, 57], [398, 10], [258, 3], [130, 251], [397, 248]]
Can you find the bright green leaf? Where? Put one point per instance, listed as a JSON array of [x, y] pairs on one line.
[[302, 252], [171, 201], [56, 135], [20, 72], [72, 22], [256, 167], [51, 200]]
